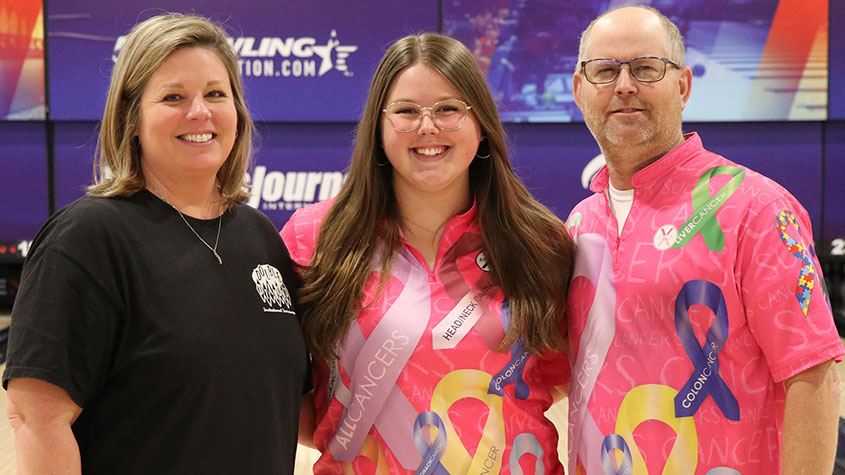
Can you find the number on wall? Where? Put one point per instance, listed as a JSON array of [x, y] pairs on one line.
[[837, 247]]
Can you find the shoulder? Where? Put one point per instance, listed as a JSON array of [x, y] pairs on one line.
[[311, 214], [245, 214], [82, 223], [755, 191], [301, 231], [586, 205]]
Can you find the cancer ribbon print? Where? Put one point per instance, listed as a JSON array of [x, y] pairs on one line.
[[797, 247], [456, 458], [375, 364], [512, 371], [643, 403], [526, 443], [471, 303], [372, 451], [608, 463], [430, 451], [705, 377], [595, 263], [703, 219]]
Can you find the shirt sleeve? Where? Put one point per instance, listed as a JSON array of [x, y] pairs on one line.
[[301, 231], [64, 325], [298, 250], [783, 290]]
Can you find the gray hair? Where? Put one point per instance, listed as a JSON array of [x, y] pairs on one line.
[[674, 38]]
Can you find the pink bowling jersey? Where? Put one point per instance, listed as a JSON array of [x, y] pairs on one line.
[[684, 328], [420, 385]]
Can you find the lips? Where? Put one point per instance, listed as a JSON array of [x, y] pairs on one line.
[[197, 138], [626, 108], [430, 151]]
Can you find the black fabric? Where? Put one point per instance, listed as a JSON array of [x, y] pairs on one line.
[[181, 365]]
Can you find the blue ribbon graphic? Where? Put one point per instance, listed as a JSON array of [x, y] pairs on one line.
[[512, 372], [430, 453], [705, 377], [608, 461]]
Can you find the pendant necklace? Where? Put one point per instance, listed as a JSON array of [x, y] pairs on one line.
[[216, 240]]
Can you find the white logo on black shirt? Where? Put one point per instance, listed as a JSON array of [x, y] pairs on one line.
[[271, 288]]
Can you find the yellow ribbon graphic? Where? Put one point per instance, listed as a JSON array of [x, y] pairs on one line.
[[372, 451], [453, 387], [657, 402]]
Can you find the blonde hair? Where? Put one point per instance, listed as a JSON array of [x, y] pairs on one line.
[[674, 39], [521, 237], [117, 164]]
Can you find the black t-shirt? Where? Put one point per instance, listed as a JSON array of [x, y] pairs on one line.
[[181, 364]]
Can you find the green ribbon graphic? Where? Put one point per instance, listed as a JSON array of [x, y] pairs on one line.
[[703, 219], [574, 221]]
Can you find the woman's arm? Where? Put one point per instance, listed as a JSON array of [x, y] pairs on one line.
[[307, 421], [41, 414]]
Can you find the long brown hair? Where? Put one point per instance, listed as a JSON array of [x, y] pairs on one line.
[[117, 167], [522, 238]]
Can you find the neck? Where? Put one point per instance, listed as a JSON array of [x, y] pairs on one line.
[[424, 217], [198, 198]]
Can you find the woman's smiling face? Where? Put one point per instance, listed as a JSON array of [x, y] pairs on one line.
[[428, 159]]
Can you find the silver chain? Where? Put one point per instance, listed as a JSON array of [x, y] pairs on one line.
[[217, 240], [219, 225]]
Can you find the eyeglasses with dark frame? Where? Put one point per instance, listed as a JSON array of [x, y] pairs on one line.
[[643, 69], [407, 116]]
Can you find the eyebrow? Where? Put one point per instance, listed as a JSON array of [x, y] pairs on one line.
[[176, 85], [439, 99]]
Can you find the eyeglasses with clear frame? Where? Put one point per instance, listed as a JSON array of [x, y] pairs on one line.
[[447, 115], [643, 69]]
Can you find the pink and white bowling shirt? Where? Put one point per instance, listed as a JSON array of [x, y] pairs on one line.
[[419, 386], [684, 328]]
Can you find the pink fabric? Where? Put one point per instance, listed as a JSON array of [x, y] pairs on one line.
[[633, 377], [478, 427]]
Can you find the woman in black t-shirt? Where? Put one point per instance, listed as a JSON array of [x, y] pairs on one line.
[[155, 328]]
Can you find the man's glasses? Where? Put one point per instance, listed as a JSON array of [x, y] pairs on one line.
[[407, 116], [606, 70]]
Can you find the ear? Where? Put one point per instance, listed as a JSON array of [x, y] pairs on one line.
[[576, 89], [685, 85]]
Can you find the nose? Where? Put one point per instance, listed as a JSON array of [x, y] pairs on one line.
[[198, 110], [625, 83], [427, 123]]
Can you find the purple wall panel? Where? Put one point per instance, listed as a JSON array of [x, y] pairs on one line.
[[301, 61], [551, 159], [74, 151], [836, 53], [834, 181], [298, 164], [23, 168]]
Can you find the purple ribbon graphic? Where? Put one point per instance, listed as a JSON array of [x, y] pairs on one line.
[[512, 372], [430, 453], [705, 377], [608, 463]]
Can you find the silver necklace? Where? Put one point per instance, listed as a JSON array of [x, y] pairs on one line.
[[216, 240]]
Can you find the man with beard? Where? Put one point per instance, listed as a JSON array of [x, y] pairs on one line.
[[698, 317]]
